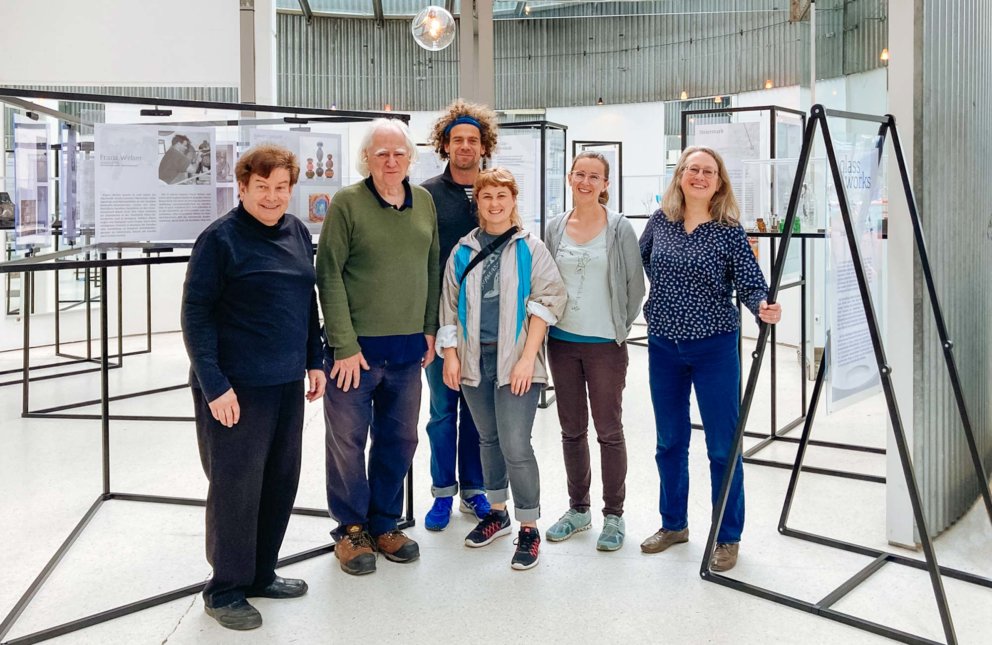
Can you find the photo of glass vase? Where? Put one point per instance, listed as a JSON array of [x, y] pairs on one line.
[[320, 151], [309, 172], [330, 167], [320, 169], [319, 203]]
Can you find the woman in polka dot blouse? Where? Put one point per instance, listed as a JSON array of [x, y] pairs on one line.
[[696, 254]]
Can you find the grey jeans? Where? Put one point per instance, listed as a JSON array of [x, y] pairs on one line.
[[505, 421]]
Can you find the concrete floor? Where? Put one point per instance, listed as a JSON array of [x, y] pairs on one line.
[[50, 473]]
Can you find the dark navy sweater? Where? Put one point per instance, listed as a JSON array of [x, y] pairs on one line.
[[456, 213], [249, 310]]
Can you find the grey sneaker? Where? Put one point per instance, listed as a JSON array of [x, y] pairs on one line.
[[571, 522], [611, 538]]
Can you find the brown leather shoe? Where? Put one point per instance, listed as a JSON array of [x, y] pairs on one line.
[[355, 551], [397, 547], [724, 557], [664, 539]]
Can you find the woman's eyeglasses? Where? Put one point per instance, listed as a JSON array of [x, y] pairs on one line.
[[708, 173], [581, 176]]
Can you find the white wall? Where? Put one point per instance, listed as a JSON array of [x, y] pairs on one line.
[[120, 42]]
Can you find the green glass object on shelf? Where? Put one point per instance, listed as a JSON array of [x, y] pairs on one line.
[[796, 225]]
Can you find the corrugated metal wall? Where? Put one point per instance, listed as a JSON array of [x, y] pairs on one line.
[[954, 162], [705, 47]]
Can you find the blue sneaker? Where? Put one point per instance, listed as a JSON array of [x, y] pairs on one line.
[[477, 504], [440, 514]]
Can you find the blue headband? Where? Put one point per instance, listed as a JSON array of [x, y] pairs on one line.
[[463, 119]]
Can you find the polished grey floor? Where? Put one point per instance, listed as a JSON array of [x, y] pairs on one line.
[[50, 473]]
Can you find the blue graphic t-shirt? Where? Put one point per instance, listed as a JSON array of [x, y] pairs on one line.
[[489, 312]]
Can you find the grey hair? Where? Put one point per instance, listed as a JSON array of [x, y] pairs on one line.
[[362, 165]]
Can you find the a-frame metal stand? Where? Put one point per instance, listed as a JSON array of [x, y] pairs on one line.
[[824, 607], [107, 495]]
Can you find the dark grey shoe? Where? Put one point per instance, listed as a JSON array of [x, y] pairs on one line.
[[281, 588], [238, 615]]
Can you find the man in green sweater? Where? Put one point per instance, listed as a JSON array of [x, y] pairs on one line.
[[378, 282]]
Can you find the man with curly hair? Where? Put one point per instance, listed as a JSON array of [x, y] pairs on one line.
[[464, 134]]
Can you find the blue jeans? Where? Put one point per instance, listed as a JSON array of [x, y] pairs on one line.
[[453, 439], [712, 367], [505, 421], [387, 402]]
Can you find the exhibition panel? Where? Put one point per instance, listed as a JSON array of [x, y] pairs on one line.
[[137, 184]]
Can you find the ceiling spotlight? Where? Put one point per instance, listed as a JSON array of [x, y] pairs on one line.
[[718, 99], [599, 101], [387, 107], [433, 28], [684, 95], [884, 56], [768, 84], [527, 9]]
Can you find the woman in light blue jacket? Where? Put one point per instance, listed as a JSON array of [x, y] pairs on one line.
[[501, 291], [599, 259]]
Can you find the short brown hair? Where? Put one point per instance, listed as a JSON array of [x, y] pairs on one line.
[[501, 178], [604, 196], [723, 205], [488, 126], [262, 159]]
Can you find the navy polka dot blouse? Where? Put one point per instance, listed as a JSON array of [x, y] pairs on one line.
[[693, 277]]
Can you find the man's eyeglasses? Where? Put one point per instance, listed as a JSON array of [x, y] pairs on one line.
[[581, 176], [708, 173]]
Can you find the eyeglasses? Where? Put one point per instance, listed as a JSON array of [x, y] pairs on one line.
[[580, 176], [708, 173]]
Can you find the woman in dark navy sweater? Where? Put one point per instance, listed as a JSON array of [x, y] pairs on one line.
[[696, 254], [249, 319]]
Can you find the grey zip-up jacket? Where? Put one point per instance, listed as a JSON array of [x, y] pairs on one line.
[[542, 294], [626, 273]]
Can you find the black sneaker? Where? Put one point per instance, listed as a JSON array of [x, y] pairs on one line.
[[238, 615], [528, 548], [494, 525]]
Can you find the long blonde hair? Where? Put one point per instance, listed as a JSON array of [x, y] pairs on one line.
[[501, 178], [723, 205]]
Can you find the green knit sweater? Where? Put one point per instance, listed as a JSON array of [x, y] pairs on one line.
[[377, 268]]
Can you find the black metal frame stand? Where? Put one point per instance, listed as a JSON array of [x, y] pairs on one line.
[[107, 494], [818, 120], [777, 434]]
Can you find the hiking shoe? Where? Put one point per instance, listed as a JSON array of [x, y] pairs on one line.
[[355, 551], [568, 524], [476, 504], [611, 538], [239, 615], [664, 539], [397, 547], [724, 556], [528, 548], [495, 524], [440, 514]]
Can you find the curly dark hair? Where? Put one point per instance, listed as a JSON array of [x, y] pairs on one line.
[[484, 115]]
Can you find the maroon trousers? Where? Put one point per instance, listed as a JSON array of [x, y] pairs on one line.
[[602, 368]]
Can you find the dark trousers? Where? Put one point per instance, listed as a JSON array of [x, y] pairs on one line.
[[254, 470], [387, 403], [602, 367], [711, 366]]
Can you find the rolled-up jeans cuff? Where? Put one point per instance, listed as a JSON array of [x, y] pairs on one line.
[[472, 492], [446, 491], [527, 514], [499, 496]]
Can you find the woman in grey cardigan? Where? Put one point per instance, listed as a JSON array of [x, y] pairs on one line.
[[599, 259]]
